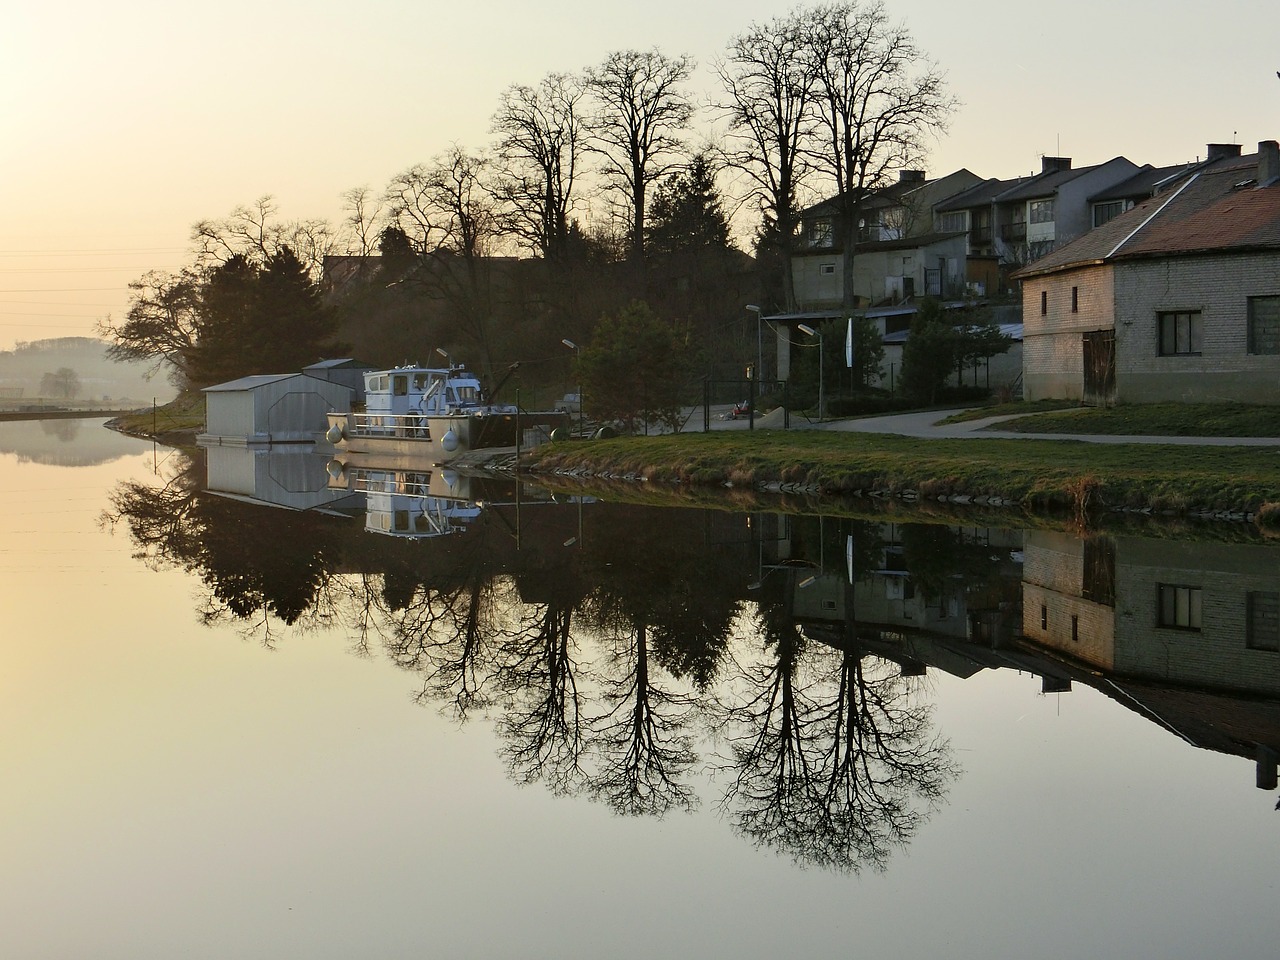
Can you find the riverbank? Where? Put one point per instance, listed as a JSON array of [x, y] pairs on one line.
[[1035, 476]]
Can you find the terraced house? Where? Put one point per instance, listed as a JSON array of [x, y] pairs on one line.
[[1177, 299]]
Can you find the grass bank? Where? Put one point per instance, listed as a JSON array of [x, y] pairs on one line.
[[179, 420], [1039, 476]]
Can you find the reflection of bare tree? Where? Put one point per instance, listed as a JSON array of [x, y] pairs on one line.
[[257, 566], [837, 768], [640, 743], [542, 728], [445, 634]]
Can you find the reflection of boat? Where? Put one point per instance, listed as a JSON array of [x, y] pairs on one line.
[[436, 414], [411, 503]]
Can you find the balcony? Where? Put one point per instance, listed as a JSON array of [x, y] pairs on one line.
[[1013, 232]]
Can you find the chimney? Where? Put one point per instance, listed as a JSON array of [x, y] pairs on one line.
[[911, 176], [1219, 151], [1268, 163], [1054, 164]]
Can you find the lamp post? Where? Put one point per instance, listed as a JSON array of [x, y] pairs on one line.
[[759, 342], [803, 328], [578, 351]]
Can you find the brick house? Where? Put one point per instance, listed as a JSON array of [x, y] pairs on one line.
[[1177, 299]]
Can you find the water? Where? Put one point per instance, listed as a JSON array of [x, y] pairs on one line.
[[580, 729]]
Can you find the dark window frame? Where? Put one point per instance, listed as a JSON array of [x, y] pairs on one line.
[[1179, 333], [1180, 606]]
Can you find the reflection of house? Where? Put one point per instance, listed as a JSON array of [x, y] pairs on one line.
[[1176, 300], [1187, 633]]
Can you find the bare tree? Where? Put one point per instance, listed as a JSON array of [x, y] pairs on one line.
[[770, 89], [640, 112], [878, 99], [362, 224], [255, 232], [63, 383], [161, 325], [541, 134], [447, 210]]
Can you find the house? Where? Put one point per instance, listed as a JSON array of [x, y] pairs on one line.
[[1177, 299], [1039, 213], [899, 253]]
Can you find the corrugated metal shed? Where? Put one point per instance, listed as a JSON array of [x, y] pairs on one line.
[[271, 408]]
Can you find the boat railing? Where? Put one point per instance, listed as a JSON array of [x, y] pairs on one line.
[[389, 424]]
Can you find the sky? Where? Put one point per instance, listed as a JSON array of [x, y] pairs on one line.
[[126, 123]]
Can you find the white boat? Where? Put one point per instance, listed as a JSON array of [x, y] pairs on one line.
[[434, 415]]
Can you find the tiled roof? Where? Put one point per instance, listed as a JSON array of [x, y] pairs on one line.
[[1218, 209]]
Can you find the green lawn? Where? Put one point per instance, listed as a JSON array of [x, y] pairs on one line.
[[1147, 419]]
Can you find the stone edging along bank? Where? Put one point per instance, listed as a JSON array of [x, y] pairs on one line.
[[904, 496]]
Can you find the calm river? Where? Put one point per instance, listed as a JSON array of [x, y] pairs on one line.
[[253, 706]]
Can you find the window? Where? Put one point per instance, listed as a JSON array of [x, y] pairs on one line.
[[1179, 607], [1042, 211], [1044, 617], [820, 232], [952, 222], [1075, 629], [1075, 299], [1044, 302], [1180, 333], [1104, 212], [826, 269], [1263, 625], [1264, 325]]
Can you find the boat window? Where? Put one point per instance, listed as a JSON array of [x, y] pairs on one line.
[[401, 385]]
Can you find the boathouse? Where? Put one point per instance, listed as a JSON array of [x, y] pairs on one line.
[[271, 408]]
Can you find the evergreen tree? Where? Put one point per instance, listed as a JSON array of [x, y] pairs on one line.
[[929, 356], [686, 215], [636, 369]]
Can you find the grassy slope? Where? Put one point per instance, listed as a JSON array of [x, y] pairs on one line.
[[1038, 474]]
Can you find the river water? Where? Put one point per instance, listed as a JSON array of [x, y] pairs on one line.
[[384, 714]]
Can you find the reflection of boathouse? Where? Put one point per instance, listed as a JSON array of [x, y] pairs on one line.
[[1187, 633]]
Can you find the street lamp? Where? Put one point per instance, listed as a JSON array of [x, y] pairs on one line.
[[759, 342], [755, 373], [803, 328], [578, 350]]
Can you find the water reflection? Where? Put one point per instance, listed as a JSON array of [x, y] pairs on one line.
[[622, 650], [67, 442]]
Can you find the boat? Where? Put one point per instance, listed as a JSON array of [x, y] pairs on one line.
[[434, 415]]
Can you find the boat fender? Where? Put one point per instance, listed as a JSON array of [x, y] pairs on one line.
[[335, 469], [334, 433], [449, 441]]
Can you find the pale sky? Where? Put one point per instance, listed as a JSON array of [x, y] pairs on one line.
[[125, 123]]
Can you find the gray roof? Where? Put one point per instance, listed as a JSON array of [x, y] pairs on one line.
[[1219, 209], [251, 383]]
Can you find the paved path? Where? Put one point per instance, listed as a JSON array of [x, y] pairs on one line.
[[926, 425]]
